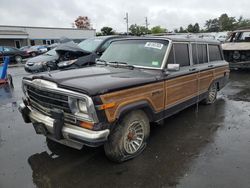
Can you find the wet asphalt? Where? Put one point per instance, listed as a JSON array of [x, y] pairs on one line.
[[202, 146]]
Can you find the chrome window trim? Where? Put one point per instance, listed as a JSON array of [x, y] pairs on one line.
[[51, 86]]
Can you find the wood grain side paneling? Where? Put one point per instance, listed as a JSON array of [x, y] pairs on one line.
[[152, 93]]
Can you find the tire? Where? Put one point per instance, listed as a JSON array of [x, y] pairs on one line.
[[18, 59], [33, 54], [212, 94], [129, 138]]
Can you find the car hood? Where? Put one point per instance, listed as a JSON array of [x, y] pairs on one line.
[[42, 58], [236, 46], [71, 47], [100, 79]]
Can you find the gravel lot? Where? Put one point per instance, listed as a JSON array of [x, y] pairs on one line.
[[208, 146]]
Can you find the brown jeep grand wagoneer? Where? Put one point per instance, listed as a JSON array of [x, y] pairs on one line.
[[136, 81]]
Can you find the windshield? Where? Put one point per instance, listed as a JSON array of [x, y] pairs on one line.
[[52, 52], [90, 44], [146, 53]]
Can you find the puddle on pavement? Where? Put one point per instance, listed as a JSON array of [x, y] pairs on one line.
[[243, 95]]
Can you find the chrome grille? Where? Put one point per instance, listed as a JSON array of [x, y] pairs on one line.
[[48, 99]]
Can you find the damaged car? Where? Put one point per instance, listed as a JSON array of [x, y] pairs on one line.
[[236, 49], [90, 50], [135, 82]]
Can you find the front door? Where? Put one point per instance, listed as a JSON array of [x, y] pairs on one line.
[[181, 86]]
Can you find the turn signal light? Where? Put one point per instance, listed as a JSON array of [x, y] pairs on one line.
[[86, 125], [106, 106]]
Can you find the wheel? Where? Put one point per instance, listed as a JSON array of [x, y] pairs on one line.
[[18, 59], [128, 138], [33, 54], [212, 94]]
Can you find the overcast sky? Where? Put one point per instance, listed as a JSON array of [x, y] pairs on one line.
[[170, 14]]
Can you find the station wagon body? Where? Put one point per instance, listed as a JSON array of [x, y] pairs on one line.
[[135, 82]]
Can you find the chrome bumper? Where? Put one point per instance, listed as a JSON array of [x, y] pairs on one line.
[[71, 133]]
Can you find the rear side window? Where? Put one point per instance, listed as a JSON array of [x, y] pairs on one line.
[[214, 53], [1, 48], [199, 53], [179, 54]]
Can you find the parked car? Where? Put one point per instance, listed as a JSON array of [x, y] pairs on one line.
[[42, 62], [93, 47], [237, 49], [15, 54], [36, 50], [135, 82]]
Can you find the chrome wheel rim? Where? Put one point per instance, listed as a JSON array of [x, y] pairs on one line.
[[18, 59], [134, 137], [212, 93]]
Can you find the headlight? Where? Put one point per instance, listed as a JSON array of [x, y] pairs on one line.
[[82, 106], [66, 63]]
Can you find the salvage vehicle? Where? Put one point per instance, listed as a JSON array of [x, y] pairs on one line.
[[237, 49], [135, 82], [93, 47], [42, 62], [15, 54]]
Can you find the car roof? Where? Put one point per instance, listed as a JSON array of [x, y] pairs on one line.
[[241, 30], [175, 38]]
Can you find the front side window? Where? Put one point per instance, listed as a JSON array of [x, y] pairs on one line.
[[138, 52], [245, 36], [214, 53], [179, 54]]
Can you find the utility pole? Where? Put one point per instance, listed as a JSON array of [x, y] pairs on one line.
[[126, 19], [146, 20]]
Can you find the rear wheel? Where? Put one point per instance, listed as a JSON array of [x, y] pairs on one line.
[[129, 137], [212, 94]]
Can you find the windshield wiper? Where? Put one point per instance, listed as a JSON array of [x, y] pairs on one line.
[[121, 64], [101, 61]]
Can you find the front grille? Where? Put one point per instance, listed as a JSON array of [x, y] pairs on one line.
[[48, 99]]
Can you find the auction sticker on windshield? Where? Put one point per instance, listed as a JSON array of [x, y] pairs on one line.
[[154, 45]]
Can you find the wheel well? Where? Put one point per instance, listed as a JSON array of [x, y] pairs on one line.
[[144, 106]]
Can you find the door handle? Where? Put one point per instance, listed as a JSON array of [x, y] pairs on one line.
[[192, 69], [210, 65]]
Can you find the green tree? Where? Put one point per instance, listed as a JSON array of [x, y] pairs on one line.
[[226, 23], [212, 25], [196, 28], [158, 29], [107, 31], [138, 30], [242, 23]]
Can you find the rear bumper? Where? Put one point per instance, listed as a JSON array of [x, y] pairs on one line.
[[71, 135]]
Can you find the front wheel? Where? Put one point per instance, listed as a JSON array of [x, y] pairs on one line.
[[18, 59], [212, 94], [129, 137]]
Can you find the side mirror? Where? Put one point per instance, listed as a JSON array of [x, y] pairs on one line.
[[173, 67]]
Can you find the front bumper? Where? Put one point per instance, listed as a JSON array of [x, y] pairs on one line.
[[71, 135], [240, 65]]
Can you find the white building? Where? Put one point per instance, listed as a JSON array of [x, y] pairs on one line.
[[19, 36]]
